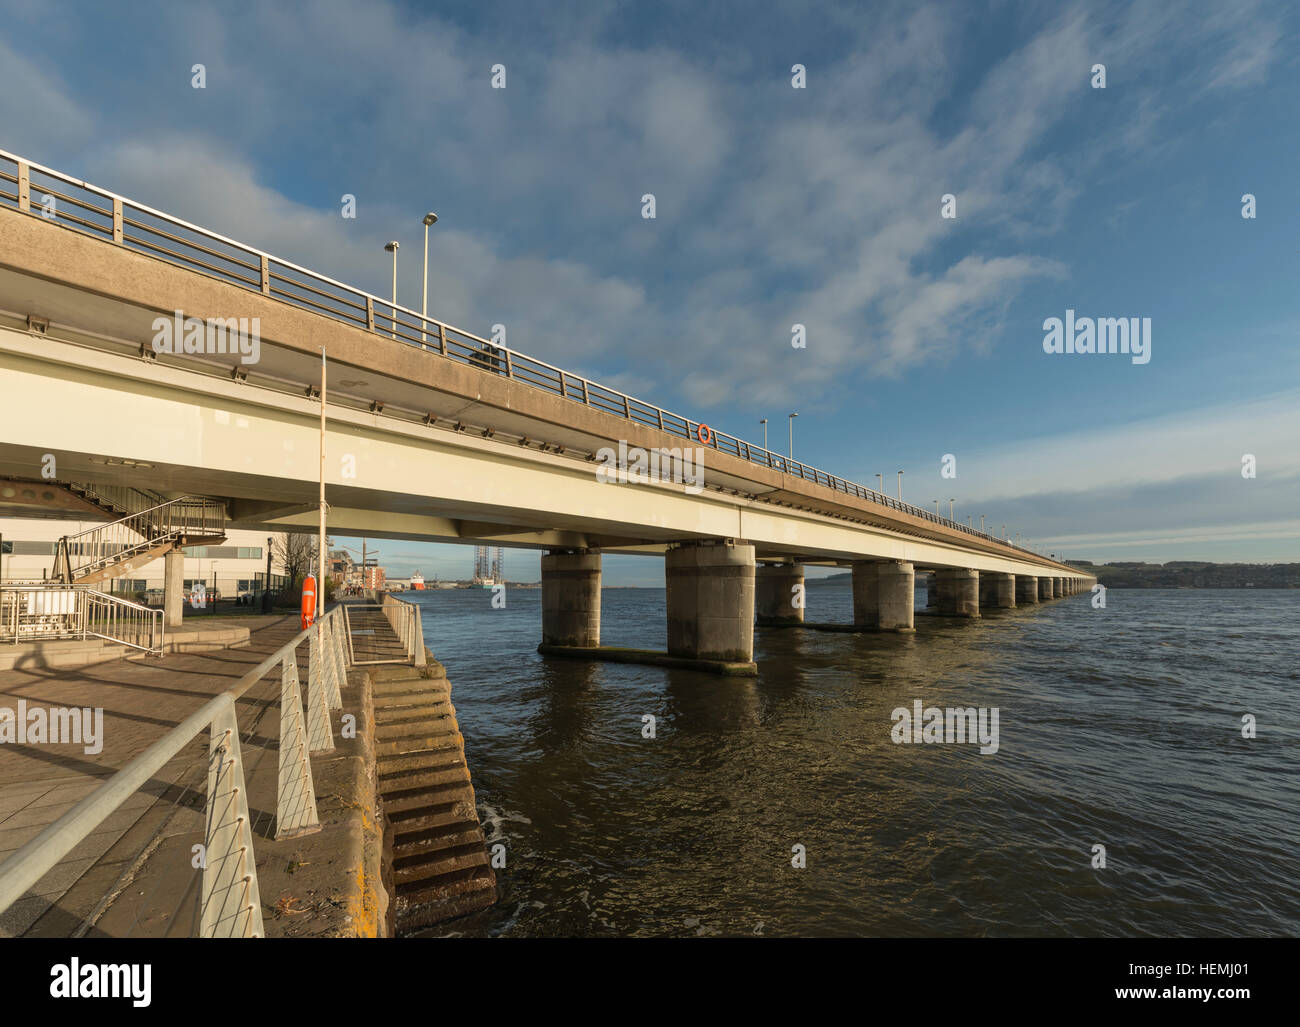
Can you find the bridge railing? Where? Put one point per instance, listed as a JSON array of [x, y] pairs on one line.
[[106, 215], [230, 902]]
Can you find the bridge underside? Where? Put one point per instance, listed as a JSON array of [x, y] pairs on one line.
[[116, 418]]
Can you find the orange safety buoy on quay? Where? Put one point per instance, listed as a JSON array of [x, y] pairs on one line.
[[308, 601]]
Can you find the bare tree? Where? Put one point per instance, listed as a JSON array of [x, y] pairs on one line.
[[296, 553]]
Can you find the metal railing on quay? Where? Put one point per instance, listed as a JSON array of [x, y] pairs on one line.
[[48, 611], [204, 252], [230, 902]]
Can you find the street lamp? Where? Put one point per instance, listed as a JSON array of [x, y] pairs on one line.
[[429, 219], [880, 482], [392, 248], [950, 502], [936, 506], [763, 422], [982, 531], [792, 417]]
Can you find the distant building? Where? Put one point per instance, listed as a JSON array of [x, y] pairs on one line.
[[373, 577]]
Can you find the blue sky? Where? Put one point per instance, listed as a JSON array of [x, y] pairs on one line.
[[775, 205]]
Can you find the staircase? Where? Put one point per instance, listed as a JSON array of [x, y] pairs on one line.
[[440, 860], [137, 537]]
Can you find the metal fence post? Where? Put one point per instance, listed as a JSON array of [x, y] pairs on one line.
[[419, 637], [319, 728], [117, 219], [231, 902], [330, 669], [295, 803], [24, 188]]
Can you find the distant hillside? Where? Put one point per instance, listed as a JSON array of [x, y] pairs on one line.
[[1193, 574], [1175, 574]]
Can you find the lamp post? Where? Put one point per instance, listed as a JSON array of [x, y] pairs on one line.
[[763, 422], [429, 219], [982, 531], [792, 417], [900, 486], [392, 248], [936, 506], [880, 483], [266, 585], [950, 502]]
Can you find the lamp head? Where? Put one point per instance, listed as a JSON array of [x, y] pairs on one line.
[[391, 247], [430, 218]]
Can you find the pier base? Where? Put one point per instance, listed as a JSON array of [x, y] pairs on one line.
[[779, 586], [884, 595], [1026, 589], [998, 591], [571, 598], [1044, 589], [710, 600], [1057, 589], [959, 593]]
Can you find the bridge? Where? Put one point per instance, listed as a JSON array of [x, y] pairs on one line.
[[433, 434]]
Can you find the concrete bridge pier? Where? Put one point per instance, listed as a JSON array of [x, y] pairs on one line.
[[777, 586], [174, 587], [1058, 589], [959, 594], [571, 598], [884, 595], [710, 599], [998, 591], [932, 592], [1026, 589], [1044, 589]]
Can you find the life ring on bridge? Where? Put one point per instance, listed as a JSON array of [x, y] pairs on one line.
[[308, 601], [704, 433]]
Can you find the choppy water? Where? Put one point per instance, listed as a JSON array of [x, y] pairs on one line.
[[1119, 727]]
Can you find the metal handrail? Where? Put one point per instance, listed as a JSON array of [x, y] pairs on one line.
[[230, 899], [34, 612], [107, 544], [383, 317]]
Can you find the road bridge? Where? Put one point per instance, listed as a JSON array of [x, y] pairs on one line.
[[434, 433]]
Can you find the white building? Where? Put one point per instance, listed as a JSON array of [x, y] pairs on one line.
[[27, 546]]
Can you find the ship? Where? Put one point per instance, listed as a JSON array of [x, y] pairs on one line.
[[417, 582]]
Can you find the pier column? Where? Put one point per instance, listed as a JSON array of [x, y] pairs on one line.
[[1026, 589], [1044, 589], [777, 585], [959, 594], [884, 594], [1057, 591], [174, 587], [932, 592], [571, 598], [1001, 592], [710, 598]]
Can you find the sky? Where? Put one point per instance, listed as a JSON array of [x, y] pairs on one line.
[[774, 206]]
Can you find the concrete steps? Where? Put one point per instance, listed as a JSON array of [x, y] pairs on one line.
[[439, 858]]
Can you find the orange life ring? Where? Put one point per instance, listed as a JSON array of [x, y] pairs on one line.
[[704, 434], [308, 601]]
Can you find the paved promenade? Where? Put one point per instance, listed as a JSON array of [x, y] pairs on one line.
[[141, 699]]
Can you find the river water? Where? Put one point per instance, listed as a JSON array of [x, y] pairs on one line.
[[1119, 727]]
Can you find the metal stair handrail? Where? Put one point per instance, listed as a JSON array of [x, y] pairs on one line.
[[104, 545]]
